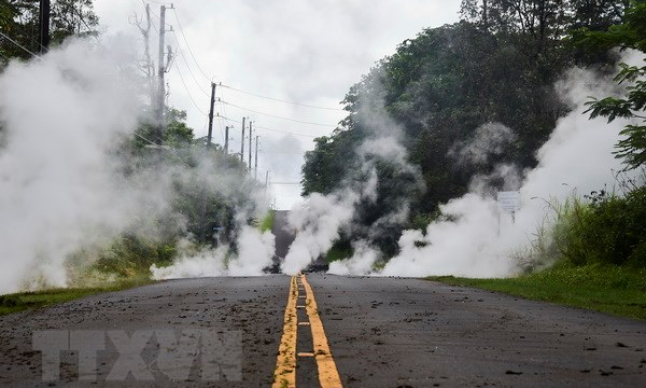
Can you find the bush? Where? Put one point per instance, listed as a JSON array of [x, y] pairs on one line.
[[607, 230]]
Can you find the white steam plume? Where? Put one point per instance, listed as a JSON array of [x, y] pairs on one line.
[[489, 139], [255, 254], [481, 242], [61, 115], [64, 119], [319, 221], [475, 238]]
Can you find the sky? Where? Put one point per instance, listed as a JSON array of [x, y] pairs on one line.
[[305, 52]]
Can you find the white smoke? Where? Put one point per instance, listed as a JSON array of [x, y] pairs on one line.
[[488, 140], [481, 240], [475, 238], [61, 115], [361, 263], [64, 119], [320, 219], [255, 254], [317, 225]]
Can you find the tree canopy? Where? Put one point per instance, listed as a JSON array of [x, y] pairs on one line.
[[494, 70], [19, 19], [631, 34]]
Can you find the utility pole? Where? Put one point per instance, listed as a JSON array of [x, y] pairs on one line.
[[242, 141], [44, 26], [266, 188], [250, 140], [255, 171], [226, 140], [148, 66], [210, 136], [161, 71]]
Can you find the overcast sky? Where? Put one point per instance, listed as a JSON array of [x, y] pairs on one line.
[[305, 51]]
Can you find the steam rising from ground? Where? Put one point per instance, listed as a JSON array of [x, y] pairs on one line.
[[483, 242], [64, 119], [60, 115], [256, 251], [319, 221], [477, 239], [490, 139], [62, 186]]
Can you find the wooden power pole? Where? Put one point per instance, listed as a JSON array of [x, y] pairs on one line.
[[161, 71], [210, 135], [250, 140], [226, 140], [44, 26], [242, 141], [255, 173]]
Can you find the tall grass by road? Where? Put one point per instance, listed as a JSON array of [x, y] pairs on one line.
[[606, 288], [12, 303], [595, 255]]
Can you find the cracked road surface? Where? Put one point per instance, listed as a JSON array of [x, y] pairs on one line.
[[381, 332]]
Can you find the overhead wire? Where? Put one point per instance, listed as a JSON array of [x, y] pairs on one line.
[[190, 96], [222, 86], [167, 149], [224, 110], [18, 44], [29, 36], [272, 129], [188, 46], [277, 117], [181, 52], [280, 100], [5, 57]]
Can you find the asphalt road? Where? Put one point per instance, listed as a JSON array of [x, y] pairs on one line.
[[382, 332]]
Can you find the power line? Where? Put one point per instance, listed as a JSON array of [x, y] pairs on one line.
[[167, 148], [281, 153], [188, 46], [18, 44], [270, 129], [181, 52], [190, 96], [28, 36], [277, 117], [279, 100]]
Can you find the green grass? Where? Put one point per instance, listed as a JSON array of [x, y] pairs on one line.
[[12, 303], [610, 289], [267, 222]]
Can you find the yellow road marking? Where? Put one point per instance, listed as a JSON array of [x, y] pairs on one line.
[[328, 374], [305, 354], [285, 374]]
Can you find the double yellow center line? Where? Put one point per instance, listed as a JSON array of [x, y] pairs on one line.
[[285, 375]]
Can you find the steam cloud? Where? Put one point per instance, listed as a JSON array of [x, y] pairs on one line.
[[479, 239], [64, 117], [60, 116]]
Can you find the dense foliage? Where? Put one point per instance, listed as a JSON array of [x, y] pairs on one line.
[[19, 20], [630, 34], [206, 194], [607, 230], [498, 65]]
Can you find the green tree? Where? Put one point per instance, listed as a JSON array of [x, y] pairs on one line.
[[631, 34], [19, 19], [498, 65]]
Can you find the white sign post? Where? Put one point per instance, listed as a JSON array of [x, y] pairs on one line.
[[509, 201]]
